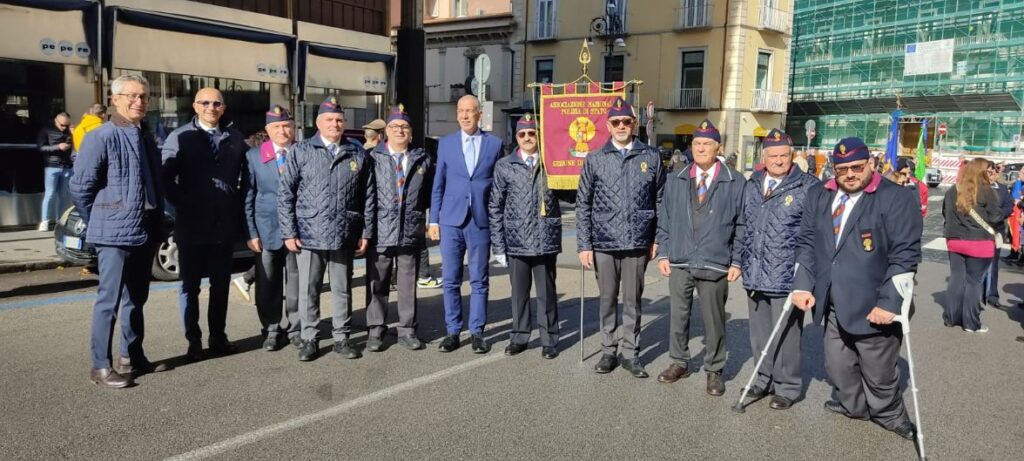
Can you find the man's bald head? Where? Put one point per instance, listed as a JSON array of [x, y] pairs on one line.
[[209, 106]]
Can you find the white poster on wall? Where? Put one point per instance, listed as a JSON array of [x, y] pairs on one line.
[[928, 58]]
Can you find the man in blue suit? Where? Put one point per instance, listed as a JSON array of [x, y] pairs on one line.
[[857, 232], [458, 217], [277, 270]]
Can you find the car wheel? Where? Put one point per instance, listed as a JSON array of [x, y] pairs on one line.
[[165, 263]]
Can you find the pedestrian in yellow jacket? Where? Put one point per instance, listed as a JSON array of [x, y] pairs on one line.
[[91, 120]]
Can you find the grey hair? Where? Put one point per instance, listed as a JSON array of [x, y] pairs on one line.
[[115, 85]]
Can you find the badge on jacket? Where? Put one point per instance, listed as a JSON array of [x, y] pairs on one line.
[[789, 200], [353, 165], [643, 167], [421, 171], [866, 242]]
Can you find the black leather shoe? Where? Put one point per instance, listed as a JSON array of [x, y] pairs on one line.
[[994, 302], [296, 341], [130, 369], [480, 345], [374, 344], [780, 403], [947, 323], [634, 367], [716, 387], [906, 429], [449, 343], [195, 351], [271, 344], [223, 348], [410, 342], [514, 348], [835, 407], [107, 377], [308, 350], [607, 363], [756, 392], [345, 349], [549, 352]]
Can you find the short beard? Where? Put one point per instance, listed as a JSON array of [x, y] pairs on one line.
[[863, 184]]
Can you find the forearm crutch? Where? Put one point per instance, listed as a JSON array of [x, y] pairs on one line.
[[583, 296], [905, 287]]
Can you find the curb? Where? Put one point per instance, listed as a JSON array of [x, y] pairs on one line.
[[28, 266]]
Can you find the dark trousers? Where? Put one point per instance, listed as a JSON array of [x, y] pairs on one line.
[[864, 372], [401, 264], [423, 264], [456, 242], [625, 270], [312, 264], [277, 281], [522, 271], [713, 294], [963, 296], [196, 262], [124, 284], [990, 287], [780, 372]]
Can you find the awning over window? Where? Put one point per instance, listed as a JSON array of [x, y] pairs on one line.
[[60, 31], [162, 42], [327, 66]]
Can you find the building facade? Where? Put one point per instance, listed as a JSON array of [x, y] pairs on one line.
[[723, 60], [957, 64], [61, 56]]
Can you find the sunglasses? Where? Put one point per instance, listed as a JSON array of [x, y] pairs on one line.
[[842, 170], [215, 104], [621, 122], [526, 134]]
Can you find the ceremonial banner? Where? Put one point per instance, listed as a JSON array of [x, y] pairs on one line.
[[573, 122]]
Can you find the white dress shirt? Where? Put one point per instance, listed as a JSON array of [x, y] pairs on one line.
[[850, 203], [767, 179]]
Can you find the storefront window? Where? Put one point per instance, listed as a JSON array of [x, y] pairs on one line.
[[31, 94]]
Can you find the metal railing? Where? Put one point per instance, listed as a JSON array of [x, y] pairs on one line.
[[775, 19], [687, 98], [693, 14], [769, 101]]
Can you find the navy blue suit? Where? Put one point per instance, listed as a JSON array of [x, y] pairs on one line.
[[459, 204], [881, 238]]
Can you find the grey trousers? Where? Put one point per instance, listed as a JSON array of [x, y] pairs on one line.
[[864, 372], [780, 372], [713, 295], [380, 268], [523, 271], [625, 269], [312, 264], [277, 280]]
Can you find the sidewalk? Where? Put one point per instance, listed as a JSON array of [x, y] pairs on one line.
[[27, 250]]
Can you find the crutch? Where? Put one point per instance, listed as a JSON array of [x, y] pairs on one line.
[[583, 278], [905, 287], [786, 307]]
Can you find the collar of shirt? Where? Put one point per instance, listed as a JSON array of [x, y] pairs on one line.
[[768, 178], [619, 148], [476, 134], [712, 173], [206, 127], [277, 147], [327, 143], [524, 155], [850, 202]]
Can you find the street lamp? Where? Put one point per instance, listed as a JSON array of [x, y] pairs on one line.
[[610, 28]]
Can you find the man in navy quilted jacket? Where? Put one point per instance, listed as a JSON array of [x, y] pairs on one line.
[[773, 203], [117, 190], [616, 216], [526, 235]]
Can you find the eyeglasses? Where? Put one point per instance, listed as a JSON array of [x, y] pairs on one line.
[[399, 127], [842, 170], [621, 122], [526, 134], [135, 97], [215, 104]]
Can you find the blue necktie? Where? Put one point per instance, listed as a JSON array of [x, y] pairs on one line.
[[702, 189], [213, 140], [623, 152], [333, 149], [470, 153], [530, 162], [279, 157], [837, 216], [771, 186]]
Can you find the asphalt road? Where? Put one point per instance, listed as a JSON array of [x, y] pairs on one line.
[[430, 405]]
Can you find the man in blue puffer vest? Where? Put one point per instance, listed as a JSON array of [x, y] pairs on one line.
[[773, 203], [697, 250], [327, 207], [616, 215], [526, 234]]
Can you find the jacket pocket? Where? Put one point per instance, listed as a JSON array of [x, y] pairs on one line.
[[551, 233], [642, 225], [604, 229], [306, 211]]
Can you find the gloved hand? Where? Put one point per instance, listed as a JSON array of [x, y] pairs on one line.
[[501, 260]]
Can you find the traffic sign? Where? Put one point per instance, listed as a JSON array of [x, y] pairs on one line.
[[810, 135], [482, 67], [942, 129]]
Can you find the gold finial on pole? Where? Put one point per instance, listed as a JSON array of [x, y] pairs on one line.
[[585, 56]]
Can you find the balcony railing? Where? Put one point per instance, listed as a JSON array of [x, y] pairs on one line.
[[775, 19], [693, 14], [769, 101], [687, 98]]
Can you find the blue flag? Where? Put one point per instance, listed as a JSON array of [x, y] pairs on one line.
[[892, 146]]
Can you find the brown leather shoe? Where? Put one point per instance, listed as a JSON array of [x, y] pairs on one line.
[[716, 387], [673, 373], [127, 368], [108, 378]]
